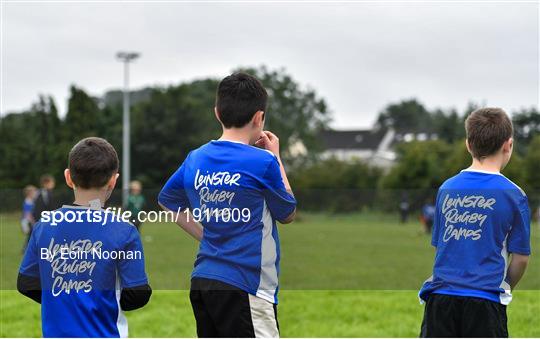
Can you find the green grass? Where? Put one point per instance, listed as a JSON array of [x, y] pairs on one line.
[[342, 276]]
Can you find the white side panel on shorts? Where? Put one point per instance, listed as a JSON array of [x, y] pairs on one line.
[[263, 318]]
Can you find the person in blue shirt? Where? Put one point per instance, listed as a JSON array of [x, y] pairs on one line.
[[228, 194], [84, 264], [481, 233], [428, 214], [27, 219]]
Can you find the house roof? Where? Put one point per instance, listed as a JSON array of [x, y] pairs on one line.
[[352, 139]]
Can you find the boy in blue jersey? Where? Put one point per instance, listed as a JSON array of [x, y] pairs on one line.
[[228, 194], [481, 233], [27, 219], [83, 264]]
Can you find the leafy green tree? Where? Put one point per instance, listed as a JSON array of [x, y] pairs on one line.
[[531, 165], [526, 126], [420, 165], [166, 128], [47, 135], [459, 158], [82, 117], [448, 125], [405, 116], [335, 185], [28, 146]]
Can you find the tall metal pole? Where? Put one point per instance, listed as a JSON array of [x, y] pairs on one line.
[[126, 58], [125, 139]]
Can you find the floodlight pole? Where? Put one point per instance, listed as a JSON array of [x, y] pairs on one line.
[[126, 58]]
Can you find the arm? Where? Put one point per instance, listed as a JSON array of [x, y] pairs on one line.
[[174, 199], [270, 142], [516, 269], [30, 287], [28, 280], [135, 289], [519, 241], [186, 221], [291, 217]]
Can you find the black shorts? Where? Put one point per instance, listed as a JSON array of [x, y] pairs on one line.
[[222, 310], [455, 316]]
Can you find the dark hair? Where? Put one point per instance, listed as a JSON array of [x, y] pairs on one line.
[[239, 97], [487, 130], [92, 163]]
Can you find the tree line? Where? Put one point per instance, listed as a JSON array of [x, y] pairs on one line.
[[168, 122]]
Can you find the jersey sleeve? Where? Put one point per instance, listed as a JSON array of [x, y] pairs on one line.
[[30, 262], [519, 239], [173, 195], [280, 202], [436, 228], [131, 269]]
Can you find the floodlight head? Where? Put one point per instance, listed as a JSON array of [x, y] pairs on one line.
[[127, 56]]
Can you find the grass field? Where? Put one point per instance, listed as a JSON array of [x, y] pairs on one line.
[[342, 276]]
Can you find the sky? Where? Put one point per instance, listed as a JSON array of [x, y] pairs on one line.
[[359, 57]]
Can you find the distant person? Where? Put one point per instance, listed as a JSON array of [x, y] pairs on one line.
[[481, 235], [428, 215], [238, 188], [27, 219], [136, 202], [85, 268], [45, 200], [404, 207]]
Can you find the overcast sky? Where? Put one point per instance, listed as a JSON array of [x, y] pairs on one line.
[[358, 56]]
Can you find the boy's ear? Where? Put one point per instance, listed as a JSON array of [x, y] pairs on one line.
[[67, 176], [112, 181], [508, 145], [258, 118], [217, 115], [468, 146]]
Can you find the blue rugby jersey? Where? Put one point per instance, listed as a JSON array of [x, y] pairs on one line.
[[237, 193], [82, 266], [480, 218]]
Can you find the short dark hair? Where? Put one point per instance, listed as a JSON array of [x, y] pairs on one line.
[[92, 163], [239, 97], [487, 130]]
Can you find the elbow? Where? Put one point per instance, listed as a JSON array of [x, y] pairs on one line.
[[520, 259], [135, 298], [20, 286], [290, 218]]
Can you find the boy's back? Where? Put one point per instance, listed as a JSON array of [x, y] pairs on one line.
[[231, 194], [480, 218], [481, 233], [236, 191], [82, 266]]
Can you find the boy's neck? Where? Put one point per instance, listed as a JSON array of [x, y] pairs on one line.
[[84, 196], [236, 134], [491, 164]]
